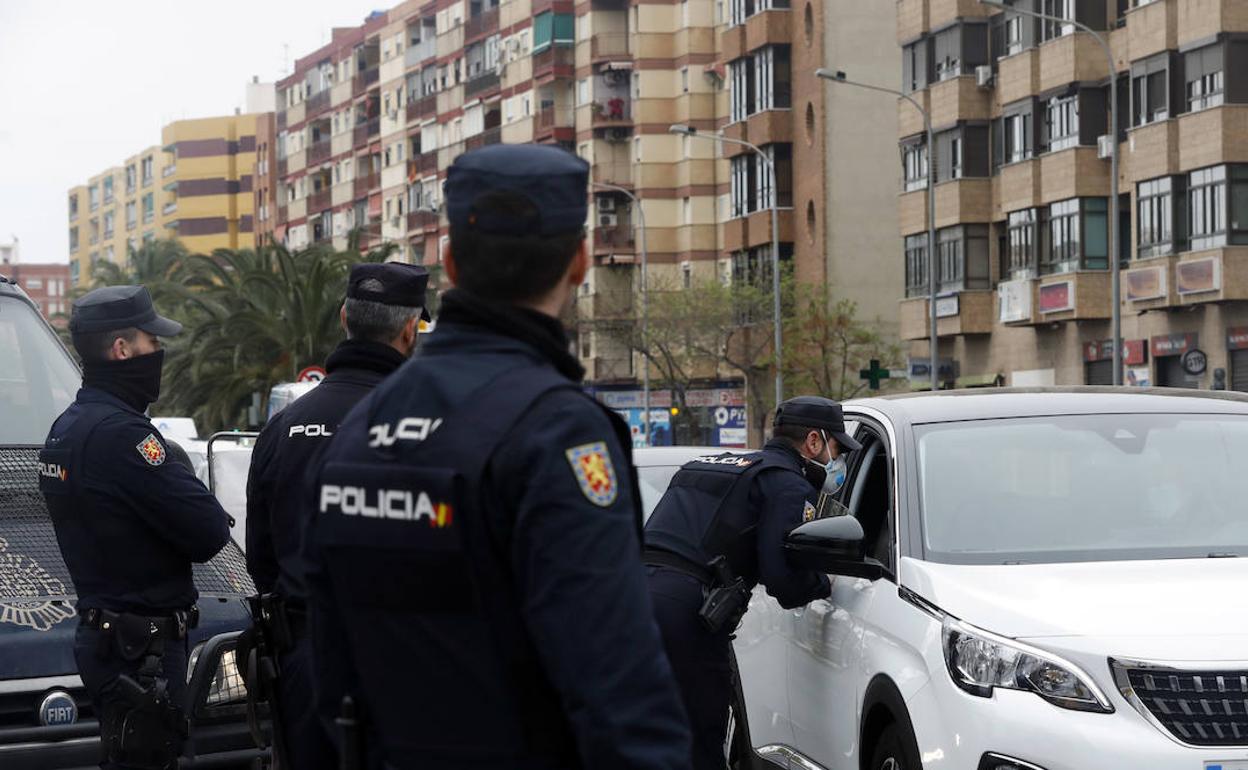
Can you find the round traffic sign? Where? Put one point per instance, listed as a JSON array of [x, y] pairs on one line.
[[311, 374], [1194, 362]]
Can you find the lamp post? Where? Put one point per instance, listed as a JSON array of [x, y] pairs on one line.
[[1112, 230], [933, 340], [645, 301], [775, 241]]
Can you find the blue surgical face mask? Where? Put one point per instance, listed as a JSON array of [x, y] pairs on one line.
[[836, 472]]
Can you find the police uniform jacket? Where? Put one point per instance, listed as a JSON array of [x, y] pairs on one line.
[[558, 495], [778, 499], [130, 520], [285, 449]]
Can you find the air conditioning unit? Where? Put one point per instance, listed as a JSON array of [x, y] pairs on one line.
[[608, 220], [1105, 146], [606, 204], [617, 135], [983, 76]]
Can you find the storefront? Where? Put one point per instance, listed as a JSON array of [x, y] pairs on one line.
[[1237, 354], [709, 416], [1179, 361], [1098, 363]]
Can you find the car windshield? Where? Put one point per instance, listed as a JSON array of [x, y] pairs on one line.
[[1084, 488], [38, 379]]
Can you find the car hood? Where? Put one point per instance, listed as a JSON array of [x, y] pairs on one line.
[[1159, 598]]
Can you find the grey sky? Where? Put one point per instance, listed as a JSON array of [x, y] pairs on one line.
[[85, 83]]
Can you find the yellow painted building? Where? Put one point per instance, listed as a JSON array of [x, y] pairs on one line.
[[195, 186]]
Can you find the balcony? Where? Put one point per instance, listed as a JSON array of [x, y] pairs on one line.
[[281, 167], [167, 209], [616, 238], [486, 137], [606, 305], [363, 80], [319, 152], [423, 107], [363, 184], [617, 173], [282, 214], [281, 120], [609, 46], [317, 103], [165, 173], [481, 24], [486, 81], [958, 314], [320, 200], [422, 221], [1152, 150], [556, 61], [1212, 136], [611, 112], [366, 131]]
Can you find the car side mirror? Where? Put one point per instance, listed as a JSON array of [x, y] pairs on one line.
[[835, 546]]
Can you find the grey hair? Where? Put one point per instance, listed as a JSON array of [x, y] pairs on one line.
[[376, 321]]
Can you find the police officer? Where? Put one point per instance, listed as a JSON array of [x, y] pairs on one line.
[[479, 594], [130, 520], [384, 306], [716, 533]]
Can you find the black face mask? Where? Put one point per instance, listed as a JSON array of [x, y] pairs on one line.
[[134, 380]]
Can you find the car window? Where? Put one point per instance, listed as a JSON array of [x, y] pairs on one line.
[[1084, 488], [38, 379]]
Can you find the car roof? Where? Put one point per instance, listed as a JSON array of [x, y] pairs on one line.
[[998, 403], [647, 457]]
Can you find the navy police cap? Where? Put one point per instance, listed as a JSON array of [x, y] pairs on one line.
[[119, 307], [554, 180], [390, 283], [819, 413]]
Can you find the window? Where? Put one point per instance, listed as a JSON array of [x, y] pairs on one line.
[[93, 197], [1065, 9], [1022, 245], [149, 208], [73, 239], [131, 215], [1061, 121], [1154, 218], [914, 165], [958, 49], [962, 152], [761, 81], [914, 66], [108, 189], [1202, 70], [1206, 207], [34, 283], [750, 181], [1078, 236], [1150, 100], [131, 178], [948, 54], [1018, 136], [962, 258], [916, 265], [109, 218], [740, 10], [73, 206], [1015, 27], [684, 79]]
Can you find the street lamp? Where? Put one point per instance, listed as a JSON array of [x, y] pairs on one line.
[[684, 130], [645, 301], [1112, 230], [933, 340]]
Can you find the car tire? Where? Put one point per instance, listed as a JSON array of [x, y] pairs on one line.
[[892, 751]]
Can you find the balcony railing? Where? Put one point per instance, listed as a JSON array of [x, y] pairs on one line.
[[611, 112], [559, 59], [421, 220], [616, 173], [165, 172], [419, 108], [429, 163], [281, 167], [363, 80], [609, 45], [481, 24], [317, 103], [169, 208], [320, 200], [550, 118], [282, 214], [319, 152], [481, 83], [365, 183], [488, 136], [425, 49], [617, 237], [366, 131]]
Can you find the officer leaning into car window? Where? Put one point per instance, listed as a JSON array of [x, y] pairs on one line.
[[717, 532], [479, 598], [130, 520], [384, 306]]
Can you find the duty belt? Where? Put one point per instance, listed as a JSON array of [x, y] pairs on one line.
[[172, 626], [659, 557]]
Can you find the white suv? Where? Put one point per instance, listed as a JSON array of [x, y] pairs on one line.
[[1039, 579]]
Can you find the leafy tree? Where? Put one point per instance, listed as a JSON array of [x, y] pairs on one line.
[[826, 347]]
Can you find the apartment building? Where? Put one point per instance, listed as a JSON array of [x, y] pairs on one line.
[[195, 186], [1022, 114], [47, 285]]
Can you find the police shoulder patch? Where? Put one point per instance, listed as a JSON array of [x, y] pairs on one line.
[[151, 450], [591, 463]]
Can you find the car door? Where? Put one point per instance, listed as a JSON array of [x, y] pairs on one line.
[[825, 682]]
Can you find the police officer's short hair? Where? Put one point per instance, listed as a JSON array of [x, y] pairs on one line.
[[510, 268], [376, 321], [93, 347], [794, 434]]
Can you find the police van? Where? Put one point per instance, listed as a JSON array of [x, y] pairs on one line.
[[46, 718]]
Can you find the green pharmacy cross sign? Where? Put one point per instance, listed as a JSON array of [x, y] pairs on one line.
[[874, 373]]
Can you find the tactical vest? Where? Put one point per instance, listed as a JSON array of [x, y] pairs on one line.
[[706, 511], [417, 545]]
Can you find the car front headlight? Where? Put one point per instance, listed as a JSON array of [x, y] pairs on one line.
[[978, 661]]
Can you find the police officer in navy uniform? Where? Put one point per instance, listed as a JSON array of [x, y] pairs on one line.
[[479, 597], [384, 306], [130, 520], [717, 532]]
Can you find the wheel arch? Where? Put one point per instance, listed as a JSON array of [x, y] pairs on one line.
[[882, 705]]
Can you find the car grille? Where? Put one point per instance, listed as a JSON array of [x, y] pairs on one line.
[[1201, 708], [27, 534], [21, 709]]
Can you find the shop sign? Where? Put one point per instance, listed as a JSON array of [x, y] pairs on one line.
[[1057, 297], [1198, 276], [919, 370], [1237, 338], [1014, 301], [947, 307], [1133, 351], [1139, 377], [715, 397], [634, 399], [1146, 283], [730, 426], [1173, 344]]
